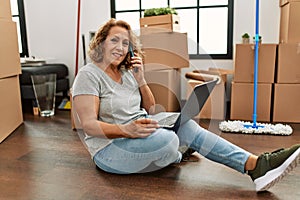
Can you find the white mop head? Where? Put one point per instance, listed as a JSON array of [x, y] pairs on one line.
[[238, 127]]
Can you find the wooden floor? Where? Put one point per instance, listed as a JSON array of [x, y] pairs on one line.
[[45, 159]]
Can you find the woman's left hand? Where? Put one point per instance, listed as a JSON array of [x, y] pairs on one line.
[[138, 69]]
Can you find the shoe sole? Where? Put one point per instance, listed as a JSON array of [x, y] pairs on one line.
[[273, 176]]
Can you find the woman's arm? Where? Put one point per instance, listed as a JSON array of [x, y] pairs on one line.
[[87, 108], [148, 101]]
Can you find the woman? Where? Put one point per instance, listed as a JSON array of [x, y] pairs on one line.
[[112, 101]]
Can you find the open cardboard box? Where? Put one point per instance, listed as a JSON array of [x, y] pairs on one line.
[[214, 108]]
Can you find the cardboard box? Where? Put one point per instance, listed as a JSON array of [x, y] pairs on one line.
[[229, 78], [244, 63], [242, 101], [283, 2], [5, 10], [289, 23], [165, 50], [75, 122], [286, 103], [9, 51], [288, 65], [10, 105], [161, 23], [214, 107], [165, 86]]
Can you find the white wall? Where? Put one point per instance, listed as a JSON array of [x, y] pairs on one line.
[[51, 28], [52, 25]]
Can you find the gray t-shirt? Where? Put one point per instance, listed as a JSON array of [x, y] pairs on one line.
[[119, 103]]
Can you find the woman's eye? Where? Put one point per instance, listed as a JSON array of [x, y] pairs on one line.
[[114, 40], [126, 43]]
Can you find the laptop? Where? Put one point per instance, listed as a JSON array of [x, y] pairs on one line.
[[192, 107]]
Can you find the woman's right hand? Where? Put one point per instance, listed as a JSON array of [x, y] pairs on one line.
[[140, 128]]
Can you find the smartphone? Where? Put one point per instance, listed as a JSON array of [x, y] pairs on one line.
[[131, 53]]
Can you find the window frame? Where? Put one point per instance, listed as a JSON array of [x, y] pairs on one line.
[[22, 27], [230, 7]]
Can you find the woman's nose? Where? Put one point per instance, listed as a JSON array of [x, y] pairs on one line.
[[120, 46]]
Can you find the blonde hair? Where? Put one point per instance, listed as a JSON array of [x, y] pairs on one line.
[[95, 51]]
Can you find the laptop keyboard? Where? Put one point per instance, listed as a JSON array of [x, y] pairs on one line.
[[170, 120]]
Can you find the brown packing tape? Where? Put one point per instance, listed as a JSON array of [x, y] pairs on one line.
[[222, 75], [203, 76]]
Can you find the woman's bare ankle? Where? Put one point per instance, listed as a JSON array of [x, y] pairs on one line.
[[251, 162]]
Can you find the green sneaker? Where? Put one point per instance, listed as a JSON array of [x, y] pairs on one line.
[[186, 153], [271, 167]]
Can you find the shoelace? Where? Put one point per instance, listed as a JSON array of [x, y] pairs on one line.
[[273, 153], [278, 150]]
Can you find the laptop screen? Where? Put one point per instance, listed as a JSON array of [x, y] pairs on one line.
[[197, 100]]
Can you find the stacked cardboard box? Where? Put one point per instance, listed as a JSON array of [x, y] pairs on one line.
[[286, 93], [289, 21], [166, 52], [10, 102], [161, 23], [165, 86], [243, 83]]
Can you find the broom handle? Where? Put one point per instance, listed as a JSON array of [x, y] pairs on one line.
[[256, 64]]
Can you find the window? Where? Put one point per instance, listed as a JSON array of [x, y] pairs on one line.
[[208, 23], [18, 16]]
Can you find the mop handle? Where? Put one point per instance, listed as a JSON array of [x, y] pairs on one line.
[[256, 64]]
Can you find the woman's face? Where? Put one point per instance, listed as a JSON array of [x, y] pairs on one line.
[[116, 46]]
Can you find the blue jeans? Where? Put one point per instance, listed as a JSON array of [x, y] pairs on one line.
[[126, 156]]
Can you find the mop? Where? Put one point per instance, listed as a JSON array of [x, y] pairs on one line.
[[255, 127]]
